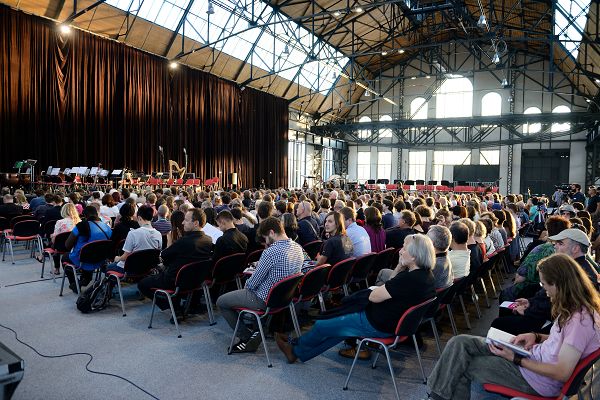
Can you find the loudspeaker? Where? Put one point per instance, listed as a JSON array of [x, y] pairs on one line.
[[233, 178], [11, 372]]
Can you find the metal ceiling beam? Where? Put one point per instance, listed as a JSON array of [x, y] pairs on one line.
[[78, 14], [175, 33]]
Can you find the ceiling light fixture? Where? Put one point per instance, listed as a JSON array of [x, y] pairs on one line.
[[384, 53], [588, 100], [496, 58], [413, 78], [66, 29], [211, 8], [504, 83], [401, 51], [367, 94], [358, 10], [428, 77], [597, 80], [173, 65], [482, 23], [337, 14], [286, 50]]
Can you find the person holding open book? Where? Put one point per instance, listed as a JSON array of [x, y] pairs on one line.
[[553, 358]]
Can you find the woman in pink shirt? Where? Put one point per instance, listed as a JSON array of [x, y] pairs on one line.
[[574, 335]]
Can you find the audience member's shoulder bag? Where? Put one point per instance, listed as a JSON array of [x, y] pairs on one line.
[[96, 297]]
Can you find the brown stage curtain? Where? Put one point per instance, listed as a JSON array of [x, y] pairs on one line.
[[83, 100]]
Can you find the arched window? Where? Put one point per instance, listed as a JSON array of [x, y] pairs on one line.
[[491, 104], [532, 128], [364, 133], [454, 99], [383, 133], [561, 127], [418, 108]]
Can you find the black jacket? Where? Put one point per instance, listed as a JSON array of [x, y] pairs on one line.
[[193, 246]]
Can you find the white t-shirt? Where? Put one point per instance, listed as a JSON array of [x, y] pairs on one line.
[[143, 238], [461, 262], [213, 232]]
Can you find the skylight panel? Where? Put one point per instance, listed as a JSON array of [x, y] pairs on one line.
[[227, 30], [570, 19]]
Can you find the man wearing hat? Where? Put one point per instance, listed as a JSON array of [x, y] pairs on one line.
[[575, 243], [567, 211], [531, 314]]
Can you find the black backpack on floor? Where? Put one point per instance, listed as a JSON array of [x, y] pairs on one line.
[[97, 296]]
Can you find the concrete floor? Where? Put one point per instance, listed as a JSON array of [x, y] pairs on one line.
[[195, 366]]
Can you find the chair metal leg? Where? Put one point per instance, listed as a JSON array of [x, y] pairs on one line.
[[121, 295], [485, 293], [62, 285], [492, 283], [418, 357], [462, 304], [295, 320], [10, 246], [475, 300], [43, 265], [374, 365], [353, 364], [436, 335], [345, 287], [264, 339], [452, 321], [76, 280], [389, 361], [209, 306], [174, 316], [152, 313], [238, 282], [237, 325], [321, 302]]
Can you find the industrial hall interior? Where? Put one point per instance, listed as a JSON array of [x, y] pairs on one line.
[[302, 199]]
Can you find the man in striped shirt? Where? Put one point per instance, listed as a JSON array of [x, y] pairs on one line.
[[282, 258]]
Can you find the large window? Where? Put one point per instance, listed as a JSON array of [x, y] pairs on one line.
[[441, 158], [532, 128], [416, 164], [561, 127], [296, 163], [327, 164], [491, 104], [364, 166], [454, 99], [364, 133], [418, 108], [385, 133], [384, 165], [489, 157]]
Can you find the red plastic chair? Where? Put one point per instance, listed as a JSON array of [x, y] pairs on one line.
[[57, 249], [407, 327], [570, 388]]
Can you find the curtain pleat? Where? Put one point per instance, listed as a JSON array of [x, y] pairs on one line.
[[82, 100]]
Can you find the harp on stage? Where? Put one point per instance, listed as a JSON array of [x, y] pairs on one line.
[[174, 165]]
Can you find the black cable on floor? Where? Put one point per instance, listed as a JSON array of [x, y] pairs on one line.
[[78, 354]]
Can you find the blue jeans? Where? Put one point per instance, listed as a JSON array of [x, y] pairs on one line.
[[328, 332]]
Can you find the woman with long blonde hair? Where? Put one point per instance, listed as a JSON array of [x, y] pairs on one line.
[[70, 218], [574, 336]]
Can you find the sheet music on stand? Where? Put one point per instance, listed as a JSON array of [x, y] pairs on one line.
[[49, 170], [55, 172], [117, 172], [103, 173], [94, 171]]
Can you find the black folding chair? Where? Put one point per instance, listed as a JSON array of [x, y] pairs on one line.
[[58, 249], [95, 253], [137, 266], [189, 279], [407, 327], [338, 277], [227, 269], [280, 297], [312, 284], [23, 231]]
